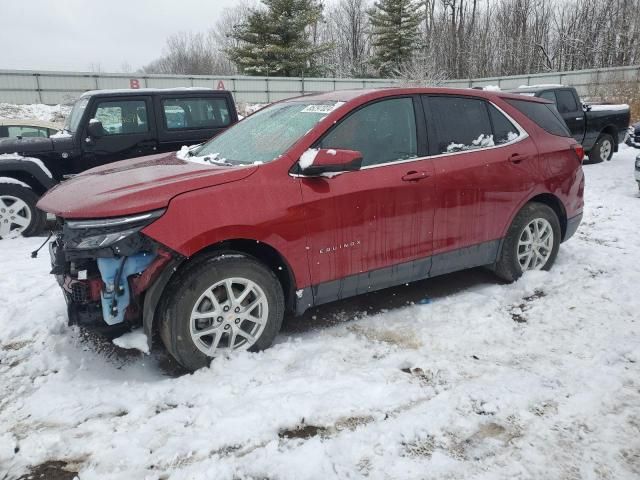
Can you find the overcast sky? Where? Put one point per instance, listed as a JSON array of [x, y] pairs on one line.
[[73, 34]]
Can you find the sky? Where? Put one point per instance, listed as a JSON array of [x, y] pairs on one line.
[[77, 35]]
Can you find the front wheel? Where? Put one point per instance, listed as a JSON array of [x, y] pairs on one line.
[[18, 212], [532, 242], [218, 304]]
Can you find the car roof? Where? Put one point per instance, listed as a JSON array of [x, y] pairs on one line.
[[33, 122], [365, 94], [152, 91]]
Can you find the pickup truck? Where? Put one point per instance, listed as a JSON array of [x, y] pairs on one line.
[[599, 128], [104, 126]]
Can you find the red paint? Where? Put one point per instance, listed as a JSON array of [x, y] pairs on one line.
[[327, 228], [134, 83], [220, 85]]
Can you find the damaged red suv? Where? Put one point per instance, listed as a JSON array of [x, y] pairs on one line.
[[311, 200]]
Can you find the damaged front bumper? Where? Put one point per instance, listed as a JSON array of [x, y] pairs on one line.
[[105, 271]]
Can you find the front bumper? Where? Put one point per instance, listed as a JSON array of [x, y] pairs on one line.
[[103, 289]]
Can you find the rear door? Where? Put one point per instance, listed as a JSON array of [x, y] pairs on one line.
[[362, 224], [484, 164], [129, 131], [571, 112], [192, 119]]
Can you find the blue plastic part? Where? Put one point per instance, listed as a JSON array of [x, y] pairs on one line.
[[108, 270], [424, 301]]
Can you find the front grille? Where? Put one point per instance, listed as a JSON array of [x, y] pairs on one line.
[[80, 292]]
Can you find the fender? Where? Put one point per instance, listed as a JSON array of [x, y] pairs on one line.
[[153, 295], [12, 167]]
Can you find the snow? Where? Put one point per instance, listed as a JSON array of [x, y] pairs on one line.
[[135, 340], [307, 158], [601, 108], [20, 158], [47, 113], [13, 181], [492, 88], [539, 379]]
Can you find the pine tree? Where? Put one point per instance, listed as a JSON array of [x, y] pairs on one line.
[[275, 40], [395, 33]]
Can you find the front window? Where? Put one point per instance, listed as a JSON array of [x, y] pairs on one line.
[[267, 134], [122, 117], [73, 120]]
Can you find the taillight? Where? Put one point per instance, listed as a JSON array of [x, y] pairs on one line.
[[579, 151]]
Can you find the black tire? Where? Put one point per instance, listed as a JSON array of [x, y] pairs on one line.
[[192, 281], [596, 155], [38, 220], [508, 267]]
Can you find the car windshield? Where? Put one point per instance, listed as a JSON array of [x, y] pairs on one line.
[[71, 125], [265, 135]]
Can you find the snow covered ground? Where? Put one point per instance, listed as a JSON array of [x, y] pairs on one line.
[[47, 113], [535, 380]]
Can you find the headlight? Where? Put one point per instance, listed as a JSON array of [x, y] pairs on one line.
[[104, 232]]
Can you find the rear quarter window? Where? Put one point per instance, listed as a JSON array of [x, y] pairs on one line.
[[545, 115]]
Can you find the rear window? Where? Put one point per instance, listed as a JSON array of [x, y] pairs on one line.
[[544, 115]]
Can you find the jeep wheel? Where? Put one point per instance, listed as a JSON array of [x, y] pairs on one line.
[[602, 150], [532, 242], [218, 304], [18, 212]]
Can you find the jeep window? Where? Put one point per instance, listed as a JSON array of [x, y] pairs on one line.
[[549, 95], [503, 130], [460, 123], [267, 134], [122, 117], [27, 131], [193, 113], [566, 101], [545, 115], [73, 120], [383, 132]]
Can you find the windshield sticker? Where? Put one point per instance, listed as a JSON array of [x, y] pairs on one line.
[[322, 108]]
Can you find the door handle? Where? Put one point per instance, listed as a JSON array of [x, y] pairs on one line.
[[517, 158], [578, 118], [414, 176]]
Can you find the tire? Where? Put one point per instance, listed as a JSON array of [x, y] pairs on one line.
[[508, 266], [599, 151], [18, 212], [189, 294]]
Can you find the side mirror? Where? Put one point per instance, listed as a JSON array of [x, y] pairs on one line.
[[95, 128], [318, 162]]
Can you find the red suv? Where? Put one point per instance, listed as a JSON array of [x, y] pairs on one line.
[[311, 200]]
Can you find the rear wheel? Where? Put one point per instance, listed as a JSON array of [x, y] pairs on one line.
[[603, 149], [219, 304], [532, 242], [18, 212]]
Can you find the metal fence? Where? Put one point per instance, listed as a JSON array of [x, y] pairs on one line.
[[27, 86]]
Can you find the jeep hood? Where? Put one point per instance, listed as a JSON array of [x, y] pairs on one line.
[[26, 145], [134, 186]]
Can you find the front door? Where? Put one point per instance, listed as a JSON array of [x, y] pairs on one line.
[[365, 228], [572, 113], [129, 131]]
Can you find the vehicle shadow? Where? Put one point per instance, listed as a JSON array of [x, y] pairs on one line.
[[387, 299]]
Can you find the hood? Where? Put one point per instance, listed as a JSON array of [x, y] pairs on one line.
[[26, 145], [134, 186]]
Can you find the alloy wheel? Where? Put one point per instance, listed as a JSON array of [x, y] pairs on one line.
[[15, 216], [535, 244], [605, 149], [229, 315]]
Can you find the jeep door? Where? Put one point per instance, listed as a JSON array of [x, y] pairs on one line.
[[486, 165], [361, 222], [128, 130]]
